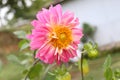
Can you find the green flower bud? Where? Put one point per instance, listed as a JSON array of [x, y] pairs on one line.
[[93, 53], [88, 46], [67, 76]]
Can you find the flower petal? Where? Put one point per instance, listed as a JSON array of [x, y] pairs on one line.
[[77, 34]]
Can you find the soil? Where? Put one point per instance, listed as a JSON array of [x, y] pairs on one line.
[[8, 44]]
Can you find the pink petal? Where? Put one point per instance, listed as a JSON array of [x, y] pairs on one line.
[[72, 53], [59, 12], [53, 16], [36, 44], [36, 24], [67, 18], [65, 56], [74, 23], [43, 16], [77, 34]]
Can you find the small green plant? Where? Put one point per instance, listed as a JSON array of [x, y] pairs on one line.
[[110, 74]]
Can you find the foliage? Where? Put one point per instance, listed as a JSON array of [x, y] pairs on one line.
[[13, 59], [34, 71], [23, 44], [117, 73], [108, 72], [91, 49], [21, 9], [107, 62], [61, 73], [20, 34], [88, 31]]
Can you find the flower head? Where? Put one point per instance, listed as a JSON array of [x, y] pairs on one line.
[[55, 35]]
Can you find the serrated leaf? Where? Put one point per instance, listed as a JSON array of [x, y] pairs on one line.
[[35, 71], [50, 77], [108, 74], [50, 73], [13, 58], [25, 72], [24, 61], [23, 44], [107, 62], [20, 34]]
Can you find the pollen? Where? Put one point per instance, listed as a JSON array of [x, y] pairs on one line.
[[61, 37]]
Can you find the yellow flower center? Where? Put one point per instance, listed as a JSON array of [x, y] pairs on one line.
[[61, 37]]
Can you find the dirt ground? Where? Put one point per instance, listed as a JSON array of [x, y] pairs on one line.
[[8, 44]]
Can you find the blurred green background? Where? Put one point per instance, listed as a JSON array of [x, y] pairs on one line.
[[12, 60]]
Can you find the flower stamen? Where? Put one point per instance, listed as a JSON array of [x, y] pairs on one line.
[[61, 37]]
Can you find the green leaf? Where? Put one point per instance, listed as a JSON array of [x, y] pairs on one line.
[[35, 71], [108, 74], [13, 58], [61, 70], [23, 44], [25, 72], [50, 77], [107, 62], [20, 34], [50, 73]]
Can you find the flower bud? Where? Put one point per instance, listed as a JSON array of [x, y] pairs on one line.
[[67, 76], [93, 53]]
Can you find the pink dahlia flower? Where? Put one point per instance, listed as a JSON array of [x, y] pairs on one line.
[[55, 35]]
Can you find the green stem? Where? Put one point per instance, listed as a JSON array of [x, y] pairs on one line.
[[82, 75], [34, 54]]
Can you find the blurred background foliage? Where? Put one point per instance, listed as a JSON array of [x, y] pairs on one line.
[[16, 59], [89, 32], [24, 8]]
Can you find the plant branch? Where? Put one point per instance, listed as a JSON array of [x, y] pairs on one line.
[[82, 75]]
